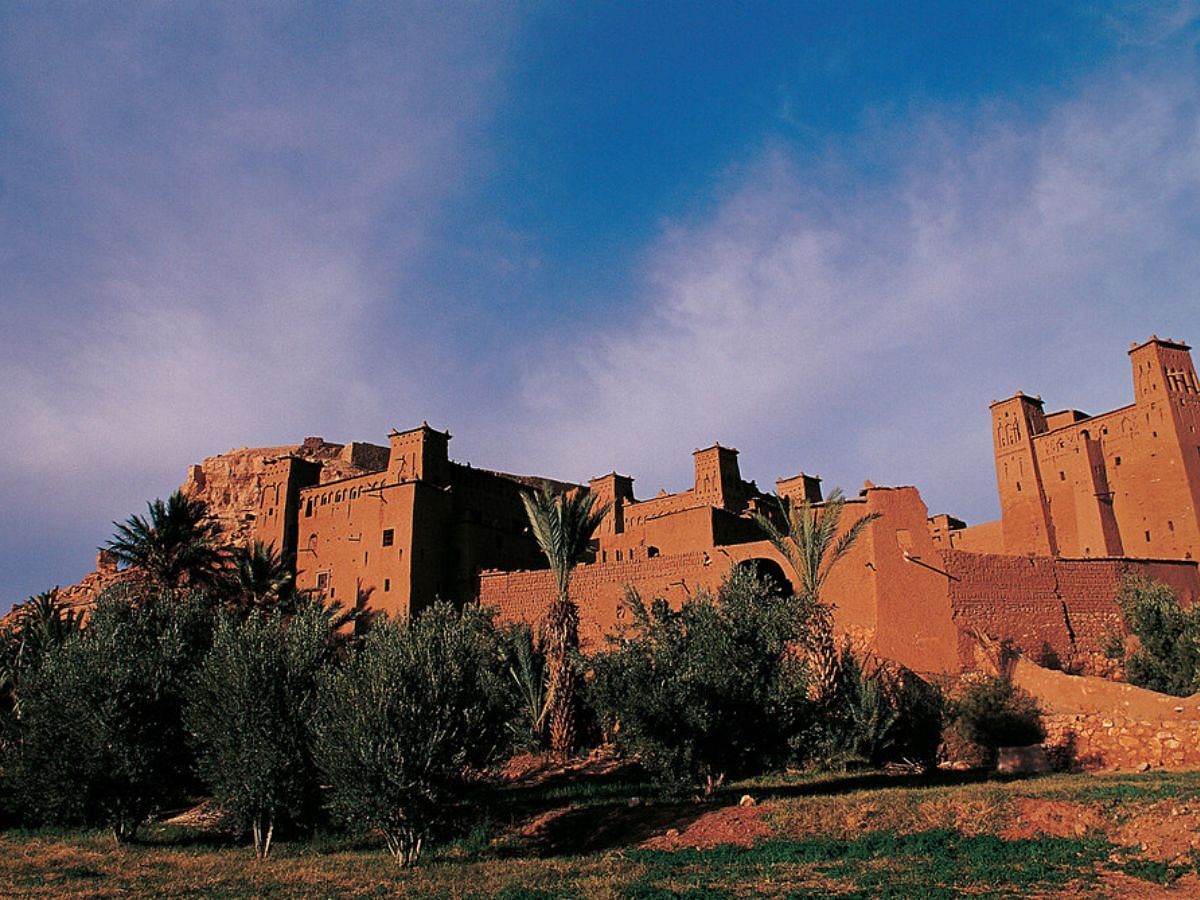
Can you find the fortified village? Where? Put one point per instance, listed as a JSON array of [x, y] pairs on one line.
[[1084, 500]]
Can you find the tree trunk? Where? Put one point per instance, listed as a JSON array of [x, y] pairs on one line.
[[562, 639], [404, 843]]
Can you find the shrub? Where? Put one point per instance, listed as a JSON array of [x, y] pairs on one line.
[[708, 691], [993, 712], [399, 728], [878, 713], [101, 738], [1167, 656], [248, 712]]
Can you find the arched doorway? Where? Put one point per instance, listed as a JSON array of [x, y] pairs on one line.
[[769, 570]]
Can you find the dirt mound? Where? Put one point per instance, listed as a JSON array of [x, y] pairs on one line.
[[1053, 818], [741, 826], [531, 769], [1168, 831]]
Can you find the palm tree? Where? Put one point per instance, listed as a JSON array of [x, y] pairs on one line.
[[562, 525], [37, 625], [811, 544], [260, 578], [177, 544]]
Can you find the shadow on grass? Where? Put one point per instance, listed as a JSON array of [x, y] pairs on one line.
[[593, 817]]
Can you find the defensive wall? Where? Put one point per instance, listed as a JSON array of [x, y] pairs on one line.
[[1060, 613]]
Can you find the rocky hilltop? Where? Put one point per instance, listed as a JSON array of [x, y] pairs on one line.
[[230, 484]]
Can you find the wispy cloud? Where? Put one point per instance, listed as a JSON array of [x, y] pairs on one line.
[[208, 229], [862, 335]]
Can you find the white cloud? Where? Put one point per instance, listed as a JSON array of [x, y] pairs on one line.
[[863, 336], [206, 226]]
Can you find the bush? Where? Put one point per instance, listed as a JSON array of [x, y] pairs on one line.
[[248, 712], [1167, 656], [992, 712], [399, 728], [101, 738], [711, 690]]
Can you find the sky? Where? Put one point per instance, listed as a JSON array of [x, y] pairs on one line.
[[582, 237]]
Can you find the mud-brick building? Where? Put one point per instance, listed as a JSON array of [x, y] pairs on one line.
[[401, 534], [1124, 483], [1084, 501]]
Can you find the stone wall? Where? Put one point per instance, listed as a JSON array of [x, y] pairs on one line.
[[1093, 723], [1115, 742]]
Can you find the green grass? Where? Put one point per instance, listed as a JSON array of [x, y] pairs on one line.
[[853, 836], [938, 863]]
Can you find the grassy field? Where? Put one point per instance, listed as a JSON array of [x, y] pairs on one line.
[[865, 836]]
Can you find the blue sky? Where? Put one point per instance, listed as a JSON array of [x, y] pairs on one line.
[[581, 236]]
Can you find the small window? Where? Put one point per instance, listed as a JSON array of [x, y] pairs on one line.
[[308, 508], [366, 557], [618, 556], [1118, 460], [1062, 476], [1018, 487], [389, 537], [603, 556], [387, 585], [331, 592], [1147, 537], [652, 552], [1170, 525], [631, 552], [322, 580]]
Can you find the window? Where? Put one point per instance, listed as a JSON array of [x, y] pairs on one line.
[[308, 508], [1147, 537], [1170, 525], [1062, 476], [1018, 487], [1118, 460], [322, 580], [387, 585], [389, 537], [366, 557]]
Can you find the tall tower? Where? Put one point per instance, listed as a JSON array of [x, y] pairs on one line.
[[1162, 370], [718, 479], [1165, 520], [419, 454], [615, 490], [1026, 514], [276, 520]]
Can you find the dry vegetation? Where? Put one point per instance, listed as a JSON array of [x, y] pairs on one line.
[[597, 833]]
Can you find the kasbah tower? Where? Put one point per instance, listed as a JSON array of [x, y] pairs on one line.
[[1084, 500]]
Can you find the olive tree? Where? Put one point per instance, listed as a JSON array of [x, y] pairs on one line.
[[101, 738], [401, 725], [248, 713]]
